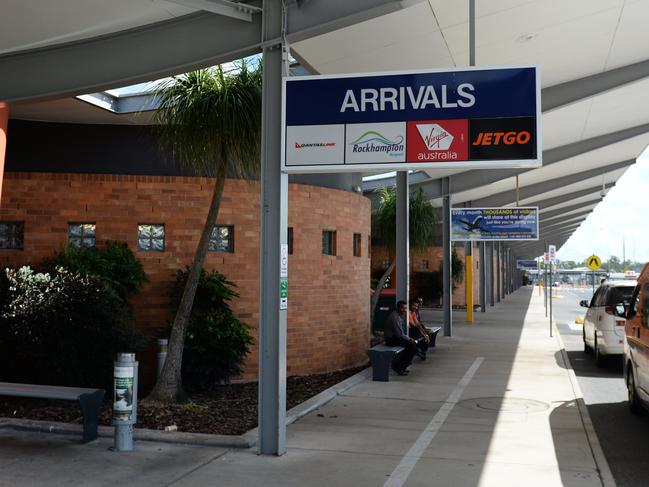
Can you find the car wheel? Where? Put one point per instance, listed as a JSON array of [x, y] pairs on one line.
[[599, 358], [634, 401]]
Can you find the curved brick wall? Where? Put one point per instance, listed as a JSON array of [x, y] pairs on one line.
[[328, 295]]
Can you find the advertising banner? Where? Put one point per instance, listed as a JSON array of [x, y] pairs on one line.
[[526, 264], [123, 393], [459, 119], [487, 224]]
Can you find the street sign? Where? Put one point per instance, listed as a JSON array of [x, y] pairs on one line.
[[283, 293], [487, 224], [546, 257], [593, 262], [459, 119], [552, 251], [526, 264]]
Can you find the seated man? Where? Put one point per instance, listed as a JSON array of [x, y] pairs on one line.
[[395, 336], [417, 330]]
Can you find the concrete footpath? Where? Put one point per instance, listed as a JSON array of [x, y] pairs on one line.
[[494, 405]]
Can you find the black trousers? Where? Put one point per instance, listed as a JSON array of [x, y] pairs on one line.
[[402, 360], [421, 343]]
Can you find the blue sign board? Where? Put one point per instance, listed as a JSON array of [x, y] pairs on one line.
[[486, 224], [460, 119], [527, 264]]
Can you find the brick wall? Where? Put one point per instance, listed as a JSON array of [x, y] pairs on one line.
[[328, 295]]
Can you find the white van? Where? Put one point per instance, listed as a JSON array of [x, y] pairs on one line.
[[604, 321]]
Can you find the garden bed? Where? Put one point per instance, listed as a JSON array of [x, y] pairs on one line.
[[227, 410]]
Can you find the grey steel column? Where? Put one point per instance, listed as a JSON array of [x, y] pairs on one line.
[[274, 222], [483, 278], [447, 291], [403, 239], [506, 270], [498, 272], [492, 284]]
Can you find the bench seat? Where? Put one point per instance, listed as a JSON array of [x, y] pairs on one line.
[[90, 401], [381, 359]]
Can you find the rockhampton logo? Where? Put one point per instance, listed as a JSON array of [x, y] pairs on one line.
[[435, 136], [314, 144], [373, 141]]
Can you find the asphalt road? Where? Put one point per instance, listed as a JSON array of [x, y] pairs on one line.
[[624, 437]]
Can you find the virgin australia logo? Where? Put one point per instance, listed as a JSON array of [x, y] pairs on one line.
[[373, 141], [434, 136]]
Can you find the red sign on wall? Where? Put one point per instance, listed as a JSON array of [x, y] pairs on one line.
[[438, 141]]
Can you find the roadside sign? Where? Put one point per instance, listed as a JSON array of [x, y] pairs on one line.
[[546, 257], [283, 293], [552, 250], [487, 224], [526, 264], [593, 262], [459, 119]]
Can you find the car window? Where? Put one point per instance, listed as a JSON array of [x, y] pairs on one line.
[[619, 294], [634, 301], [645, 305], [596, 297]]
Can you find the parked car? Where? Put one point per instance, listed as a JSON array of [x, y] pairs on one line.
[[636, 344], [605, 319]]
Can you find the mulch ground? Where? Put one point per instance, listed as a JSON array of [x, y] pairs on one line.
[[227, 410]]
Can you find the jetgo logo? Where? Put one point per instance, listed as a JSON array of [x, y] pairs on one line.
[[437, 141], [502, 138]]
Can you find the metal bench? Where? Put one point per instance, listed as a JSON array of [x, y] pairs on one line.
[[432, 333], [89, 400], [381, 359]]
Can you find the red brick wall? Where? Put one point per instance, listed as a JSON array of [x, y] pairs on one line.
[[328, 296]]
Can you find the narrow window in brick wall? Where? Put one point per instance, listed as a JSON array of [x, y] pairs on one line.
[[329, 242], [151, 237], [289, 240], [357, 245], [81, 234], [222, 239], [423, 264], [12, 235]]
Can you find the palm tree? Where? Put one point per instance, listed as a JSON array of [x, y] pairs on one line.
[[209, 122], [422, 223]]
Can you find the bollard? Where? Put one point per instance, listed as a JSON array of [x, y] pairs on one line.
[[124, 400], [162, 354]]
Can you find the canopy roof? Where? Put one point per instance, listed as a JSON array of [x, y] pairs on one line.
[[594, 71]]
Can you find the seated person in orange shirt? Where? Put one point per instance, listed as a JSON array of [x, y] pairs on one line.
[[417, 330]]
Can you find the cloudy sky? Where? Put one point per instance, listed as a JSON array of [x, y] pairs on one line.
[[624, 211]]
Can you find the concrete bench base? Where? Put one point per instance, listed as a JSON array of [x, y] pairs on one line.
[[381, 358], [89, 401]]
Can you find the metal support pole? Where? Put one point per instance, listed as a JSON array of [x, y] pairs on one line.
[[498, 272], [491, 275], [468, 252], [471, 32], [402, 239], [447, 297], [125, 373], [551, 299], [483, 278], [274, 227]]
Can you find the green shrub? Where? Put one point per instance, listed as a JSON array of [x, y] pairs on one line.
[[61, 328], [115, 264], [217, 342]]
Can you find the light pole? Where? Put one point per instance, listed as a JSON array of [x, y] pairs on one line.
[[623, 246]]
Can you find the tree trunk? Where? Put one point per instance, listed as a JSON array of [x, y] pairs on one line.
[[377, 292], [169, 388]]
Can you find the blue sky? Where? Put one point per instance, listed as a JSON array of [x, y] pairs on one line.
[[623, 212]]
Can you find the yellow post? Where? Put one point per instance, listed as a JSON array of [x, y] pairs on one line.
[[469, 288]]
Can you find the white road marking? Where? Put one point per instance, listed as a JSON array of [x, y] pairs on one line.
[[400, 474]]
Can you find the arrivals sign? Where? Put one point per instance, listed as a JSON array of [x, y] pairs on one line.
[[485, 224], [459, 119]]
